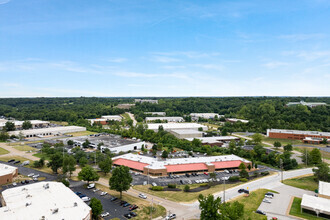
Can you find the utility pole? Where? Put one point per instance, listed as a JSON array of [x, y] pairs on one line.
[[281, 165], [224, 191], [306, 156]]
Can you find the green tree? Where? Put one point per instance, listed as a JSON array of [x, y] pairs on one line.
[[244, 174], [88, 174], [315, 156], [322, 172], [86, 143], [9, 126], [105, 165], [257, 138], [26, 125], [70, 142], [232, 211], [288, 147], [242, 166], [241, 142], [249, 167], [96, 207], [83, 161], [39, 163], [69, 164], [209, 207], [55, 162], [213, 176], [277, 144], [165, 154], [121, 179], [324, 141], [186, 188], [4, 136]]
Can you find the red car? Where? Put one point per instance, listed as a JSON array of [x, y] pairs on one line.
[[206, 173], [133, 207]]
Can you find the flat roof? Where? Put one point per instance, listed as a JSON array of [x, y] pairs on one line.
[[319, 133], [237, 119], [155, 163], [163, 118], [169, 126], [60, 129], [205, 115], [186, 131], [314, 203], [6, 169], [36, 200], [213, 139], [324, 188], [20, 123]]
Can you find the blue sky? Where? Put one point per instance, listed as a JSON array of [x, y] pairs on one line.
[[164, 48]]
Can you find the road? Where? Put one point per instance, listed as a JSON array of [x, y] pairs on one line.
[[132, 117]]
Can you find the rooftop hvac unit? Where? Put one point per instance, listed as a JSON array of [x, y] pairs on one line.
[[55, 211], [42, 218], [46, 186], [75, 204], [28, 203]]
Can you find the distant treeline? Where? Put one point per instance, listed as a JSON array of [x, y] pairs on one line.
[[263, 112]]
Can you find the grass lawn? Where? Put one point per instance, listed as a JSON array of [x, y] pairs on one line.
[[283, 141], [304, 182], [252, 202], [296, 211], [3, 151], [81, 133], [325, 155], [125, 116], [143, 210], [181, 196], [6, 158], [63, 123], [24, 148], [41, 155]]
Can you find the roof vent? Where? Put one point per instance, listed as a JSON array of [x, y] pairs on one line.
[[42, 218], [28, 203], [46, 186], [55, 211], [75, 204]]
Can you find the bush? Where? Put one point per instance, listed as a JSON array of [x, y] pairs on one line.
[[157, 188], [186, 188], [265, 173], [243, 180], [172, 186], [204, 185], [233, 178], [256, 174]]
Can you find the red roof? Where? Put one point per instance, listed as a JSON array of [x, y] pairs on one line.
[[226, 164], [186, 167], [131, 164]]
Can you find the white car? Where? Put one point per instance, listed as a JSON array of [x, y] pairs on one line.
[[105, 214], [268, 196], [91, 186], [36, 176], [142, 196], [171, 216], [154, 184], [144, 183], [31, 175], [266, 200], [14, 184], [95, 190], [226, 171], [86, 199], [103, 193]]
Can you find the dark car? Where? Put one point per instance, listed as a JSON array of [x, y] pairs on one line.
[[133, 214], [133, 207], [260, 212], [123, 202], [187, 175], [77, 193], [26, 181], [243, 191], [22, 182], [12, 160], [270, 194], [113, 199], [128, 216], [82, 195], [16, 162], [126, 204]]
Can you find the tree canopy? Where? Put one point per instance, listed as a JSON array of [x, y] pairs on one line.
[[88, 174], [121, 179]]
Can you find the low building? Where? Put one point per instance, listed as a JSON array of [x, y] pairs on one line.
[[309, 104], [112, 117], [53, 131], [315, 204], [152, 101], [234, 120], [7, 173], [312, 140], [19, 124], [176, 126], [306, 136], [125, 106], [216, 141], [156, 167], [324, 189], [114, 143], [104, 120], [155, 113], [168, 119], [187, 133], [43, 201], [196, 116]]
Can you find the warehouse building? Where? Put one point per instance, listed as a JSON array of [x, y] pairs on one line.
[[43, 201], [196, 116], [234, 120], [152, 101], [7, 173], [311, 137], [215, 141], [155, 113], [104, 120], [53, 131], [168, 119], [176, 126], [19, 124], [309, 104], [153, 166], [186, 133], [324, 189]]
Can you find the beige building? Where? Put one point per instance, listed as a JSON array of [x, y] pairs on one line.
[[7, 173]]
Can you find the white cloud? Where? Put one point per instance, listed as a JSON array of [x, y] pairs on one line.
[[188, 54], [274, 64], [302, 37], [2, 2], [209, 66], [309, 55], [165, 59], [117, 60]]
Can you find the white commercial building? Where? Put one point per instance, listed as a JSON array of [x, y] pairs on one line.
[[48, 131], [168, 119], [196, 116], [105, 119], [316, 204], [218, 141], [43, 201], [112, 117], [234, 120], [176, 126], [152, 101], [19, 124], [124, 148], [186, 133], [309, 104], [7, 173], [324, 189]]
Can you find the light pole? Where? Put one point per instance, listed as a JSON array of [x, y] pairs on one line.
[[281, 166], [224, 191]]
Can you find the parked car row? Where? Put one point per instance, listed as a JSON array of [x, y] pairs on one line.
[[83, 197]]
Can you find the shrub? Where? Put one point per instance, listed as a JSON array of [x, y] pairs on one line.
[[204, 185], [157, 188], [186, 188], [256, 174], [243, 180], [265, 173], [233, 178], [172, 186]]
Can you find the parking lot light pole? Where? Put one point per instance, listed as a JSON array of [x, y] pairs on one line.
[[224, 191]]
